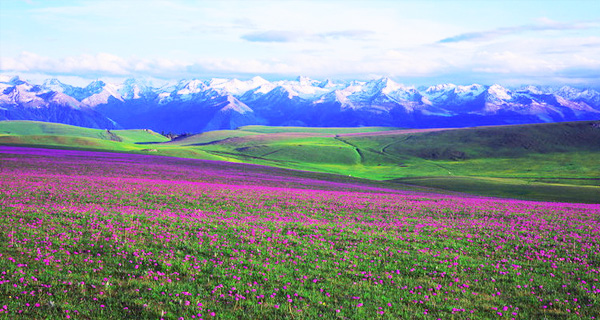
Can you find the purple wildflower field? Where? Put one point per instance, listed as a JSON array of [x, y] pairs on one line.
[[90, 235]]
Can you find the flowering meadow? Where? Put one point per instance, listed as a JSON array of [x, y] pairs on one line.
[[90, 235]]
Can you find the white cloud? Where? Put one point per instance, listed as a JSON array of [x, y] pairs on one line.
[[497, 61], [177, 39], [85, 64], [544, 25]]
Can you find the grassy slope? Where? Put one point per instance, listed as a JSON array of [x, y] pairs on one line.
[[542, 162], [27, 128], [140, 135], [564, 150], [36, 128], [511, 188], [325, 130], [55, 135], [210, 137]]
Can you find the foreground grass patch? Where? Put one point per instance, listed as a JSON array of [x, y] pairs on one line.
[[88, 236], [511, 188]]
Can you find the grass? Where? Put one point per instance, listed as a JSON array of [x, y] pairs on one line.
[[488, 142], [522, 157], [511, 188], [48, 129], [323, 130], [88, 235], [210, 137], [139, 136]]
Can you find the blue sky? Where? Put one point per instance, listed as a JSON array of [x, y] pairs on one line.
[[414, 42]]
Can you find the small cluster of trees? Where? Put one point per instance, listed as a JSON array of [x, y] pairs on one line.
[[173, 136]]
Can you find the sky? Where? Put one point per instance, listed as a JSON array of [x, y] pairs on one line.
[[414, 42]]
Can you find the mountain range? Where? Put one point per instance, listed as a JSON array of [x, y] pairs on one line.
[[204, 105]]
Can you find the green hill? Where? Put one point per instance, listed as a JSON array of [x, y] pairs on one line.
[[36, 128], [210, 137], [322, 130], [56, 135], [556, 161], [485, 142]]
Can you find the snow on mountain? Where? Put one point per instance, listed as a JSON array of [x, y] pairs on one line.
[[568, 92], [576, 106], [19, 92], [132, 89], [235, 86], [330, 85], [532, 90], [198, 105], [471, 90], [182, 91], [233, 104], [589, 96], [20, 100], [381, 94], [337, 96], [440, 88], [451, 94], [499, 92], [11, 95], [303, 87], [100, 93], [386, 86], [55, 85], [186, 88]]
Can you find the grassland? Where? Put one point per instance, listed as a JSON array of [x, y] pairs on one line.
[[551, 162], [317, 130], [98, 235]]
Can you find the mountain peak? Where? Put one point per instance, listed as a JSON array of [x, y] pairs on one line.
[[52, 81], [189, 87], [440, 87], [15, 80], [386, 85], [95, 86], [235, 86], [314, 103], [258, 79], [499, 92], [96, 83], [57, 86]]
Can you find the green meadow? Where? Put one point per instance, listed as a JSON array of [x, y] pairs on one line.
[[549, 162]]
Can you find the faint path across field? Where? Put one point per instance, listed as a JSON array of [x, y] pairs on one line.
[[394, 132]]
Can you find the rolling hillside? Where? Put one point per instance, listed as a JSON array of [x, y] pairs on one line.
[[36, 128], [556, 162], [61, 136]]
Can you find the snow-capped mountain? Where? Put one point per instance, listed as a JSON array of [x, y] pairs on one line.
[[133, 89], [235, 86], [189, 106], [199, 105], [100, 93], [20, 100]]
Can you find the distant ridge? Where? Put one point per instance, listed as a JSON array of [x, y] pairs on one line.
[[202, 105]]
